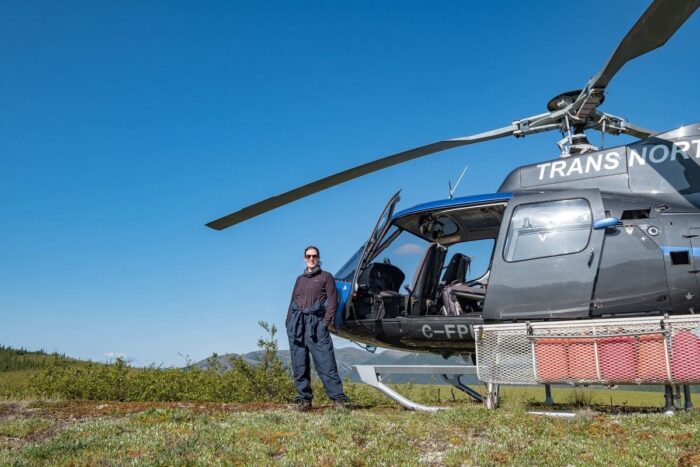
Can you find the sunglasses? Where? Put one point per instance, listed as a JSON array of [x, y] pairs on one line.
[[311, 256]]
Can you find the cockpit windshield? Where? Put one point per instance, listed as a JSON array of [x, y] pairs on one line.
[[347, 272]]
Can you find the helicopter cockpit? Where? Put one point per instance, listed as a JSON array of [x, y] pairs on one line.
[[428, 261]]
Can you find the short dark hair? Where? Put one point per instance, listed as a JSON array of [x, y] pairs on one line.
[[311, 247]]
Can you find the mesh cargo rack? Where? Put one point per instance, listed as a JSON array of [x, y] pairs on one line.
[[657, 350]]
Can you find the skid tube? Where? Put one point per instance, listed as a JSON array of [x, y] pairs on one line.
[[371, 375]]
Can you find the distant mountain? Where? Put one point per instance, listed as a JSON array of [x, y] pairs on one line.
[[349, 356]]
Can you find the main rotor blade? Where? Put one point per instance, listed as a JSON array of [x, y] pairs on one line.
[[658, 23], [616, 125], [637, 131], [314, 187]]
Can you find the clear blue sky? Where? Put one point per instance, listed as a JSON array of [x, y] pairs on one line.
[[126, 126]]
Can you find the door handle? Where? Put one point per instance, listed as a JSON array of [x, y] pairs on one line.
[[590, 258]]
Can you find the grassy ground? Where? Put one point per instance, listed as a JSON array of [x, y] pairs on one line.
[[88, 433], [613, 426]]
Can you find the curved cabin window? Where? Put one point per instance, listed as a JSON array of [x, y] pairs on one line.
[[550, 228]]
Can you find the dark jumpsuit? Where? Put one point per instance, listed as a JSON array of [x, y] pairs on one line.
[[312, 307]]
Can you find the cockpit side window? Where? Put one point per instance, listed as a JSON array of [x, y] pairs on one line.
[[389, 237], [479, 254], [549, 228]]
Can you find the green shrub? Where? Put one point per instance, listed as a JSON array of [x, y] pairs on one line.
[[267, 381], [580, 397]]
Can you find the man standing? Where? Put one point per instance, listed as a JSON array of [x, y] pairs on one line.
[[311, 312]]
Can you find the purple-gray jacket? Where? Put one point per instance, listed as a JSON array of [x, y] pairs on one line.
[[313, 289]]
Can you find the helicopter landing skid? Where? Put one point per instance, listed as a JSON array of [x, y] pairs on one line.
[[371, 375]]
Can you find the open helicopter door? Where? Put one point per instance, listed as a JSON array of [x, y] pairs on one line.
[[370, 248], [546, 257]]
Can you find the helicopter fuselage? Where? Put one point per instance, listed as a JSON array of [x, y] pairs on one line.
[[609, 233]]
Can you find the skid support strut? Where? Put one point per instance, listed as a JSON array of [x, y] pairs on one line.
[[371, 374], [455, 381], [673, 400], [548, 395], [668, 400], [686, 395], [492, 390]]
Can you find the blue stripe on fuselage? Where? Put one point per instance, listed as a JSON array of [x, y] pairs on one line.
[[343, 294], [668, 249]]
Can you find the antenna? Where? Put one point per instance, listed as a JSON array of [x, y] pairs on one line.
[[452, 189]]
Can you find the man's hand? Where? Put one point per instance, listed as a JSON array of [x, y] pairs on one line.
[[329, 326]]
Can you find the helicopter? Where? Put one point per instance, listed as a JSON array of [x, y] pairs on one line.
[[567, 237]]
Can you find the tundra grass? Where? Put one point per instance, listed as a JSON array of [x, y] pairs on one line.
[[87, 433]]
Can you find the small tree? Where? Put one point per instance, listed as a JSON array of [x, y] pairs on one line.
[[269, 380]]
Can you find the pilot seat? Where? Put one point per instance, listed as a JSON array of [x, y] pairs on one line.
[[457, 297], [383, 282]]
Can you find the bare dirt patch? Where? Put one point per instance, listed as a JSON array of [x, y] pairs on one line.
[[7, 408], [689, 459], [11, 408], [75, 410], [432, 452]]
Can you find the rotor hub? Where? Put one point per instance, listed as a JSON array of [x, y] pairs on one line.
[[567, 98]]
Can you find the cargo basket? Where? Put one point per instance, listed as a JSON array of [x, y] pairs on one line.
[[658, 350]]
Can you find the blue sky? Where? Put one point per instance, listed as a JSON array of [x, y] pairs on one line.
[[126, 126]]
